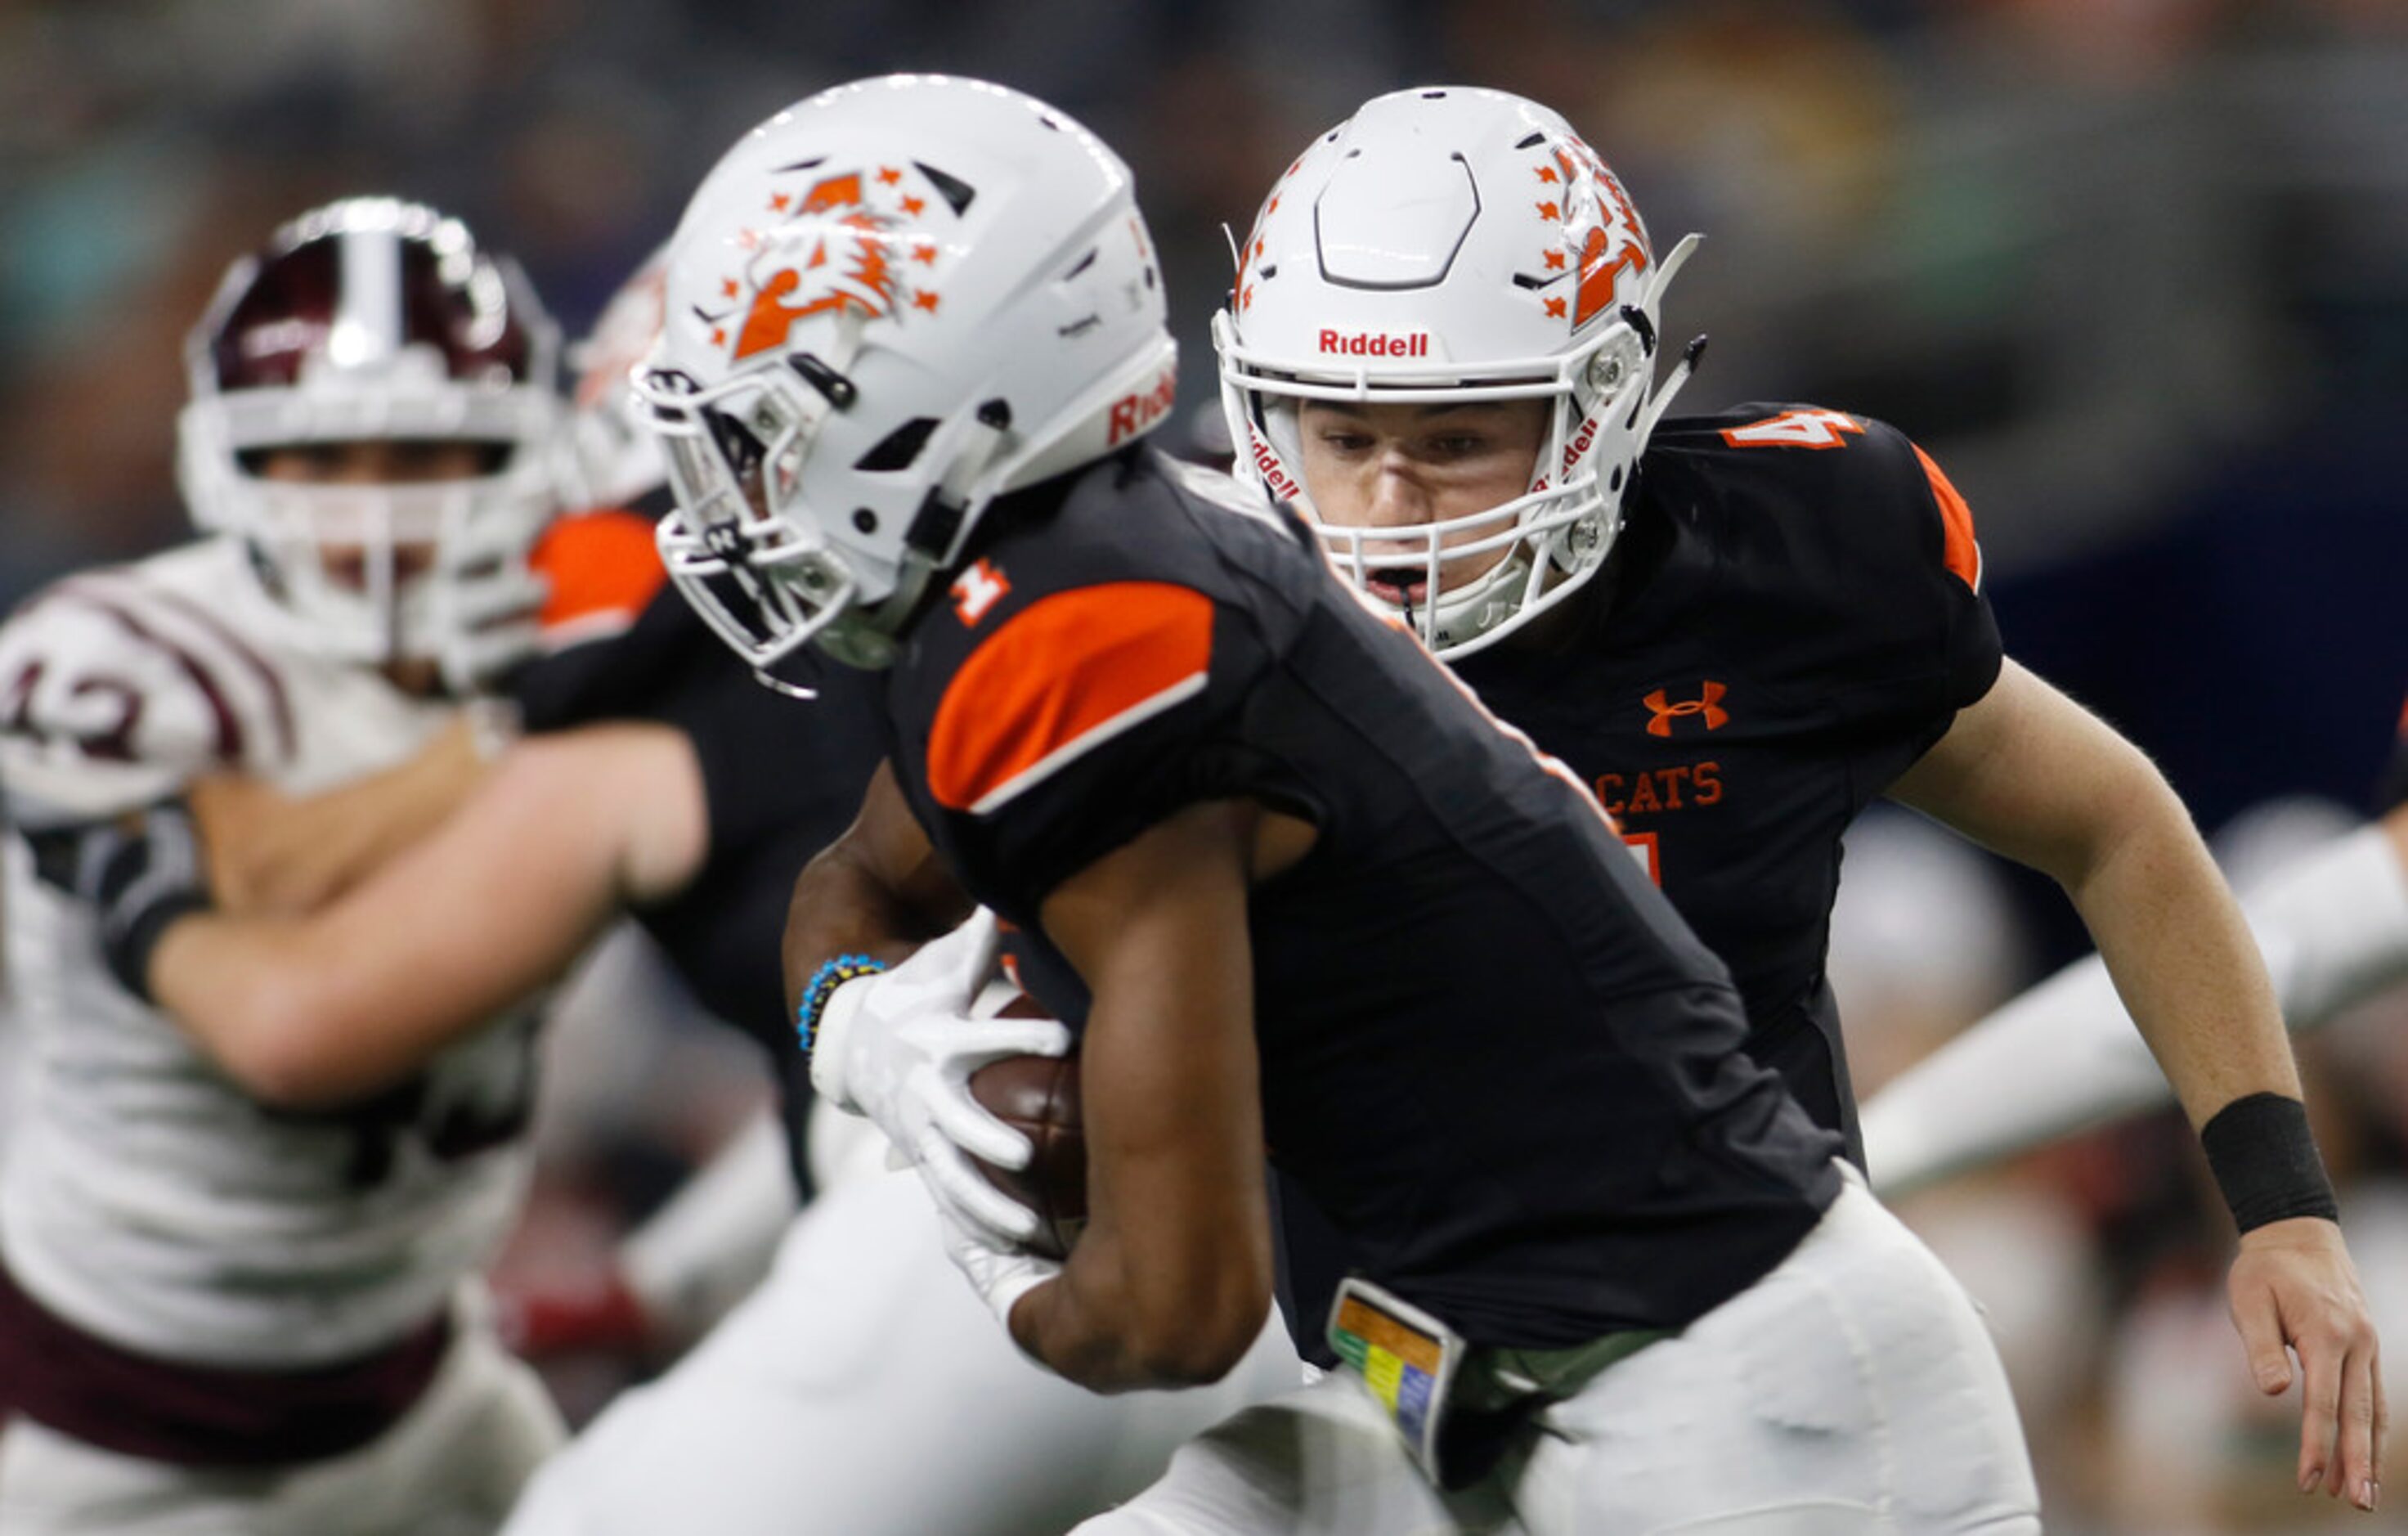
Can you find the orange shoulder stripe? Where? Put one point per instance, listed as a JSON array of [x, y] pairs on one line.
[[1957, 545], [1064, 675], [602, 569]]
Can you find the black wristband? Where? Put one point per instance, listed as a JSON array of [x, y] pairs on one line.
[[2265, 1161], [127, 950]]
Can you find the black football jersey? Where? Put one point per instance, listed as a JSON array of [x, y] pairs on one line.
[[1490, 1050], [782, 780], [1793, 617]]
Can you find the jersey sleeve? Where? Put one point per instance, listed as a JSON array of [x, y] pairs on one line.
[[601, 570], [1892, 576], [1086, 717], [1970, 645], [1849, 560], [108, 703]]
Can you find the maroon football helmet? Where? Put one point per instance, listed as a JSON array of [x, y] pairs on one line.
[[373, 319]]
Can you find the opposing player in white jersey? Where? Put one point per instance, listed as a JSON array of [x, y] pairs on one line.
[[226, 1306], [862, 1388]]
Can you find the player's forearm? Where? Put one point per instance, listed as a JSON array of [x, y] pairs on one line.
[[279, 1015], [1109, 1324], [840, 907], [2184, 961], [1067, 1329], [350, 1001], [1169, 1283], [2064, 1057], [273, 853], [878, 890]]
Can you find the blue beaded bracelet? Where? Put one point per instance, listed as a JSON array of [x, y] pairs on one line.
[[821, 987]]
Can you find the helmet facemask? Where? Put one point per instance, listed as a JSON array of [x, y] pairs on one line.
[[765, 580], [385, 573]]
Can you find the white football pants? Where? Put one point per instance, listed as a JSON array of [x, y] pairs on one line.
[[865, 1390], [452, 1466], [1850, 1392]]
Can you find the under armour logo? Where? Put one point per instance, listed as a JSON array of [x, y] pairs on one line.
[[1707, 703]]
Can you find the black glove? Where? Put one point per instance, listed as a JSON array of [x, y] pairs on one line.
[[140, 872]]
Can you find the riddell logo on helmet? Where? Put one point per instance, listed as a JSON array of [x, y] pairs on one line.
[[1579, 447], [1134, 414], [1375, 344], [1267, 463]]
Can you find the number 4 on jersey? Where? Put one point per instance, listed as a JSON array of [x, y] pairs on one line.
[[1795, 430]]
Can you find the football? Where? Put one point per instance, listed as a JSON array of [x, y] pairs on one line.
[[1038, 1097]]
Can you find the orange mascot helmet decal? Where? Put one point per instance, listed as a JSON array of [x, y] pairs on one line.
[[857, 242], [1590, 220]]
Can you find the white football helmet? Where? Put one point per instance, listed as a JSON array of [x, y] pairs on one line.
[[375, 319], [1456, 244], [886, 306]]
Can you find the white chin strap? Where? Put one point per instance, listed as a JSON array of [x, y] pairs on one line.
[[1478, 605]]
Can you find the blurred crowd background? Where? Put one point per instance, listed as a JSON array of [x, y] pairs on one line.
[[2136, 271]]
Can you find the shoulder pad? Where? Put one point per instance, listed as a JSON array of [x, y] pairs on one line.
[[1865, 472], [115, 691]]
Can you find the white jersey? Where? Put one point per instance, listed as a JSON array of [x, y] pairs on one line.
[[145, 1197]]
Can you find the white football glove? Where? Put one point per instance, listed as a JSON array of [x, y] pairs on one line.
[[898, 1047], [1000, 1273]]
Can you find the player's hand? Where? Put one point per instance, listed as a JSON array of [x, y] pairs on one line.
[[2294, 1286], [899, 1048], [599, 1315], [140, 872], [1000, 1273]]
